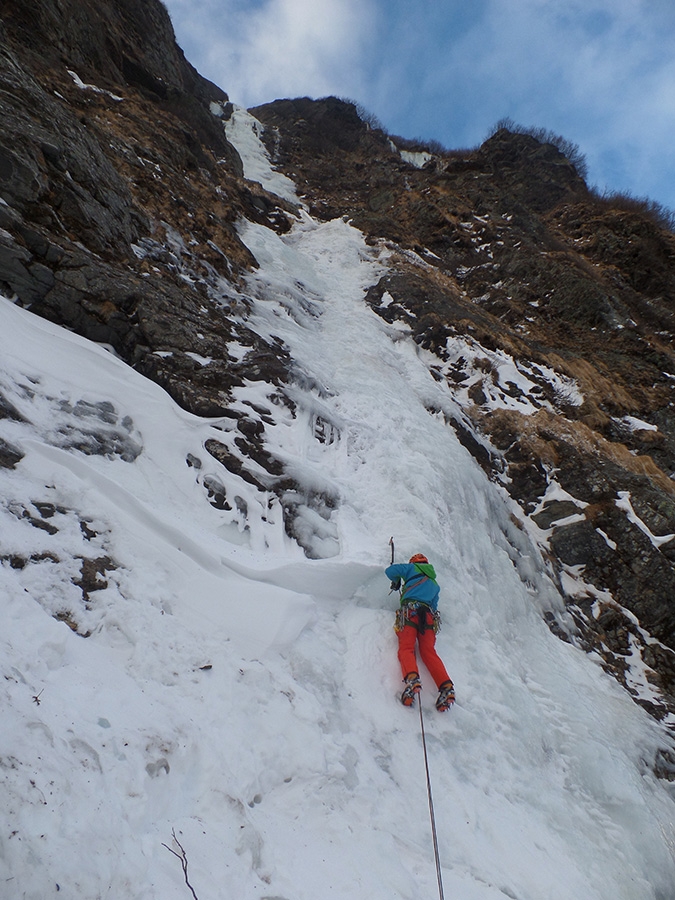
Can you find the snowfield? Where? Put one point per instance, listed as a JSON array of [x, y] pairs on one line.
[[217, 692]]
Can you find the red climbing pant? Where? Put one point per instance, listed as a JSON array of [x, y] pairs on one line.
[[407, 638]]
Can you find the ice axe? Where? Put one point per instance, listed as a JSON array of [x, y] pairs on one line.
[[394, 585]]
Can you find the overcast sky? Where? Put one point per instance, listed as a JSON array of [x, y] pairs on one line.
[[599, 72]]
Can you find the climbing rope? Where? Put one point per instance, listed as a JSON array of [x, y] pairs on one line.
[[432, 816]]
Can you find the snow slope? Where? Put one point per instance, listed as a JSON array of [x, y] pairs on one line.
[[242, 696]]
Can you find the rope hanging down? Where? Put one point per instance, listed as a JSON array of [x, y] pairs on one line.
[[432, 816]]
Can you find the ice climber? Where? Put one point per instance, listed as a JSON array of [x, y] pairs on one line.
[[418, 621]]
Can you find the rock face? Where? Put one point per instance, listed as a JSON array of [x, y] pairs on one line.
[[547, 310], [112, 163]]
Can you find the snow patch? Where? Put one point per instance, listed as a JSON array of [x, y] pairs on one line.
[[503, 382], [92, 87], [634, 424], [418, 159], [624, 503], [202, 360], [244, 132]]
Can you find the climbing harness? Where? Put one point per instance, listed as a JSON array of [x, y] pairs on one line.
[[417, 615]]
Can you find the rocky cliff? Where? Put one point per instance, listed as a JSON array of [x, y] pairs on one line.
[[547, 310]]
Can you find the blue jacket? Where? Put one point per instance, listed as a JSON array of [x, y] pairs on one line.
[[419, 582]]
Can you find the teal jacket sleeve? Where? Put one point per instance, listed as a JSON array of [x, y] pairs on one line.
[[399, 570]]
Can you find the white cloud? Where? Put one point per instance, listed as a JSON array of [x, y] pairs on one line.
[[277, 48], [600, 72]]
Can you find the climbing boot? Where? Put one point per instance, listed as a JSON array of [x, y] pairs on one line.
[[412, 688], [446, 696]]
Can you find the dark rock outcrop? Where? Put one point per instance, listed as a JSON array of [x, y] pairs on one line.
[[112, 165]]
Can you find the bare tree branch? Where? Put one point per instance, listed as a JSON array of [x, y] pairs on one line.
[[183, 860]]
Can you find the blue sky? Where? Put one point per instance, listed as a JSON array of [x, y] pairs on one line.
[[599, 72]]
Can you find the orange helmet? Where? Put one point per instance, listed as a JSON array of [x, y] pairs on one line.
[[418, 557]]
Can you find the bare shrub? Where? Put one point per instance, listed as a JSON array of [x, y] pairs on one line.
[[568, 148], [656, 212], [367, 117]]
